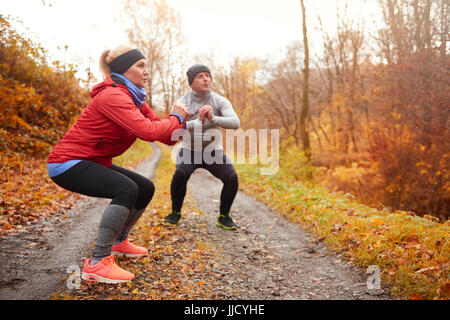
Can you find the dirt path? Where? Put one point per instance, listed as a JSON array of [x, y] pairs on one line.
[[269, 257], [266, 258]]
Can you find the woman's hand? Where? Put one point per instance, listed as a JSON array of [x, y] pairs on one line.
[[205, 112], [181, 109]]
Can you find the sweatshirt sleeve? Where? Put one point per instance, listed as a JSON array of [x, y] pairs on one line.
[[228, 118], [146, 125]]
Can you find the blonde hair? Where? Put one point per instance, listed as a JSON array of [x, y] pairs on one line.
[[109, 55]]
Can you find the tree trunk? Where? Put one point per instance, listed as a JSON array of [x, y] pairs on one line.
[[305, 86]]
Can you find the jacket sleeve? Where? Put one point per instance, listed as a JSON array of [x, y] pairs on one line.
[[148, 113], [146, 125]]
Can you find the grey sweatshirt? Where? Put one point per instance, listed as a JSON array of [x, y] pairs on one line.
[[223, 117]]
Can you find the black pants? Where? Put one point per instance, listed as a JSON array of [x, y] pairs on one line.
[[124, 187], [222, 170]]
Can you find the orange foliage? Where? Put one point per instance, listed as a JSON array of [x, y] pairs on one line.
[[400, 128], [410, 137], [28, 194], [38, 102]]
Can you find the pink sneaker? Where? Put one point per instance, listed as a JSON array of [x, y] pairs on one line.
[[127, 249], [106, 271]]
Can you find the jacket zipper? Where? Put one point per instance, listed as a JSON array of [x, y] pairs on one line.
[[98, 143]]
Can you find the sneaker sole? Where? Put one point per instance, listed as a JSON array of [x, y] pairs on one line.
[[225, 227], [92, 277], [128, 255], [171, 224]]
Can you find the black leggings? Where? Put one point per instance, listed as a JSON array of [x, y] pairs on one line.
[[222, 170], [124, 187]]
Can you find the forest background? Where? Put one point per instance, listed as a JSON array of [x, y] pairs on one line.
[[366, 115]]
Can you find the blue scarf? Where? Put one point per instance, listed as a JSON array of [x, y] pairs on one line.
[[138, 94]]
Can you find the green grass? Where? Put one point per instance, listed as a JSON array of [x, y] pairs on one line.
[[136, 153]]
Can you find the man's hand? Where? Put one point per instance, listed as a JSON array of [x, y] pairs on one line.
[[205, 112], [181, 109]]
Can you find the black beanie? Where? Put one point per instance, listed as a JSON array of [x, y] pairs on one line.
[[195, 70]]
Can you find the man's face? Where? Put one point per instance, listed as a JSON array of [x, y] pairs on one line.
[[201, 82]]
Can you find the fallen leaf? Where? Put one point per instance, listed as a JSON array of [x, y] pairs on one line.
[[444, 290], [411, 237], [416, 296], [377, 222]]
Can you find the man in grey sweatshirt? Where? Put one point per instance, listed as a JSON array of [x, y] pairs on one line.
[[201, 146]]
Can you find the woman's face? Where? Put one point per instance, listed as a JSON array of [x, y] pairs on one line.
[[138, 73]]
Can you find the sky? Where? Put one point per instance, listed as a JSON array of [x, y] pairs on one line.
[[253, 28]]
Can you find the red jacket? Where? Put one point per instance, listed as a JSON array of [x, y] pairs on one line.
[[109, 125]]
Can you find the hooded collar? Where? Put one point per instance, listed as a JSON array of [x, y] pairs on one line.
[[138, 95]]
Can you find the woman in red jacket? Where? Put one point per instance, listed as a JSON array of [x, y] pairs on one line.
[[82, 161]]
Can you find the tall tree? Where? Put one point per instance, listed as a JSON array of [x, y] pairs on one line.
[[155, 28], [281, 96], [305, 88], [342, 57]]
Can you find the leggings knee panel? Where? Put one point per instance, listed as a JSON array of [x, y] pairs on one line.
[[126, 195]]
